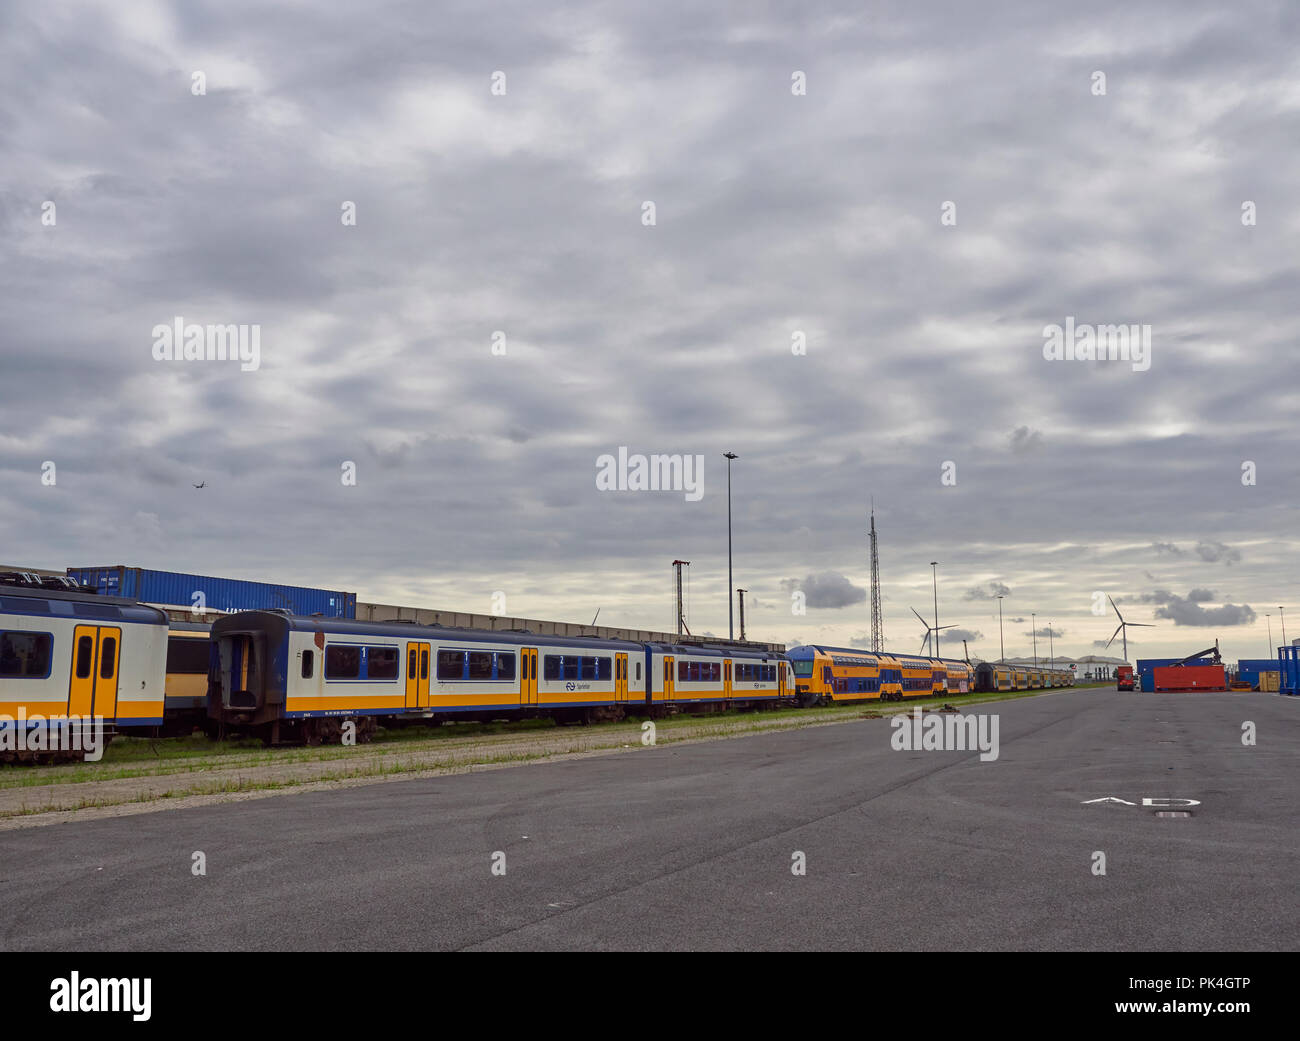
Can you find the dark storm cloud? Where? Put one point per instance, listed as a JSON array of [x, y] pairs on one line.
[[827, 589], [957, 635], [1186, 611], [776, 214]]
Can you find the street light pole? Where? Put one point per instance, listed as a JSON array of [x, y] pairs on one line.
[[1051, 648], [1282, 611], [1033, 624], [1001, 641], [1268, 620], [731, 627], [934, 573]]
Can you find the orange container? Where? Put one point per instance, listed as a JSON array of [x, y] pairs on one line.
[[1190, 677]]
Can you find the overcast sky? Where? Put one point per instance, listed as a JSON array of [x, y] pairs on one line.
[[220, 199]]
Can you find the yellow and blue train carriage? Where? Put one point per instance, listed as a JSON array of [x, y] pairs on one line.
[[70, 654], [188, 665], [998, 676], [286, 675], [823, 674]]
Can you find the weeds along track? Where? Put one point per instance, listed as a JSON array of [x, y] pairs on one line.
[[139, 782]]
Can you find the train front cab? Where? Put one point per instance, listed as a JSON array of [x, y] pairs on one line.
[[808, 674], [71, 654]]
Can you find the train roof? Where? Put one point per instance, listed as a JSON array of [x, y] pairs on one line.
[[860, 652], [242, 620], [717, 651], [37, 600]]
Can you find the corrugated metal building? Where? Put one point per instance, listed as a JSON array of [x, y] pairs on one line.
[[177, 589]]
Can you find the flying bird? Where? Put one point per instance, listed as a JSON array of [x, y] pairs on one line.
[[201, 485]]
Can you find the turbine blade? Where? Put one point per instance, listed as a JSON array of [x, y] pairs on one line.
[[922, 620], [1112, 604], [1113, 635], [1145, 625]]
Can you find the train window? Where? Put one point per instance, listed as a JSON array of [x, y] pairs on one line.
[[107, 657], [602, 669], [803, 668], [682, 671], [412, 662], [480, 665], [590, 668], [85, 652], [382, 663], [424, 663], [552, 666], [451, 665], [638, 672], [25, 655], [308, 664], [187, 655], [505, 666], [342, 662]]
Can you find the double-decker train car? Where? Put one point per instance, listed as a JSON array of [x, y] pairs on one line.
[[824, 674], [68, 656], [294, 678], [995, 676]]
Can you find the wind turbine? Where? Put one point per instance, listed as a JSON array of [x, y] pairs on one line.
[[930, 629], [1123, 628]]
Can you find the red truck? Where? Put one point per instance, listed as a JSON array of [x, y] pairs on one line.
[[1124, 678]]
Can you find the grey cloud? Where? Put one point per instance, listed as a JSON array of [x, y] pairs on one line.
[[1185, 611], [826, 589], [1217, 552], [522, 214], [1023, 439], [987, 591]]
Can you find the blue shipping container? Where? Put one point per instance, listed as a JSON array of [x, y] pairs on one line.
[[175, 589], [1250, 668]]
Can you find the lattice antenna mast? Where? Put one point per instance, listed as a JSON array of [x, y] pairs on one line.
[[877, 630], [681, 607]]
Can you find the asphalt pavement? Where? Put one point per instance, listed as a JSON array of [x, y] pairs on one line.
[[699, 847]]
